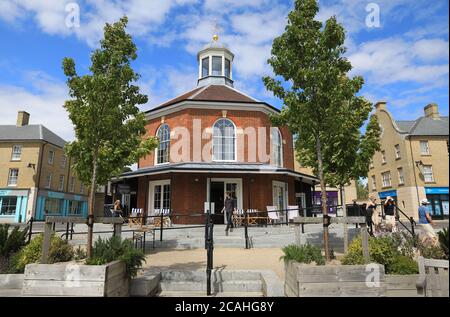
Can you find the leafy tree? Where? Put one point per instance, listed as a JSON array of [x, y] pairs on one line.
[[108, 125], [362, 191], [320, 100]]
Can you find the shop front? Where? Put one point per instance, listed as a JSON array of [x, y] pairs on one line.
[[438, 198], [13, 205], [60, 204]]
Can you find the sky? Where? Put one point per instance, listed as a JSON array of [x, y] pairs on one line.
[[404, 58]]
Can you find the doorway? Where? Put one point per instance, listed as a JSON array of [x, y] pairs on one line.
[[217, 189]]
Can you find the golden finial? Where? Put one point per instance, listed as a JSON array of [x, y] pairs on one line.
[[215, 37], [216, 31]]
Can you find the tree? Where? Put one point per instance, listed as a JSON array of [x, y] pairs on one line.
[[320, 100], [108, 125], [362, 191]]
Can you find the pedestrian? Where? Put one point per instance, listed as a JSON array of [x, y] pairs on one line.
[[229, 208], [372, 214], [389, 211], [425, 220], [117, 209]]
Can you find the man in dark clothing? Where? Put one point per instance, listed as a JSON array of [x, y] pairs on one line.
[[229, 208]]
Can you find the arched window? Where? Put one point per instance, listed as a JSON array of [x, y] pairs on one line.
[[162, 152], [277, 147], [224, 141]]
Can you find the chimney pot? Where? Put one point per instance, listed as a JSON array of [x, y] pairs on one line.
[[431, 111], [380, 105], [23, 118]]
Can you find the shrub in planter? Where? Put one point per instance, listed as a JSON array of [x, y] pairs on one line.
[[60, 251], [108, 250], [443, 241], [303, 254], [382, 250], [403, 265], [10, 243]]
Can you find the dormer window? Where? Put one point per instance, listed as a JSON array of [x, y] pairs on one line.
[[205, 67], [217, 66]]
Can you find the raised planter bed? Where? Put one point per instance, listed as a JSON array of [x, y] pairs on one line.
[[303, 280], [401, 285], [71, 279]]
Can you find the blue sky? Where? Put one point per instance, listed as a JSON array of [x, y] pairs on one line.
[[405, 61]]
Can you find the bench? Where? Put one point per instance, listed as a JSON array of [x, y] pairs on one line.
[[433, 280]]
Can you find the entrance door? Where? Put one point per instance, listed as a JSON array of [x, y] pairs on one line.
[[218, 197], [301, 203], [279, 191]]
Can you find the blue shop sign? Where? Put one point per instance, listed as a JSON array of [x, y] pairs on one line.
[[436, 190], [4, 192], [56, 195], [392, 193]]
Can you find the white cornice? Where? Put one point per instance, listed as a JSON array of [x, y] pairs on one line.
[[210, 105]]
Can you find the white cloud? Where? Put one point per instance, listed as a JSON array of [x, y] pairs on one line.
[[431, 50], [393, 60], [44, 103]]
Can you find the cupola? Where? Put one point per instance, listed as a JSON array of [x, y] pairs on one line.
[[215, 64]]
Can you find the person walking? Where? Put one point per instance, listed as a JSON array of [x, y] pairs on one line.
[[372, 214], [389, 211], [229, 208], [425, 220]]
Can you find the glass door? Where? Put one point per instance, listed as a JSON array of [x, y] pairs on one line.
[[160, 193]]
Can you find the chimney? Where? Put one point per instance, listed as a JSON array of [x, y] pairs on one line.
[[380, 105], [23, 118], [431, 111]]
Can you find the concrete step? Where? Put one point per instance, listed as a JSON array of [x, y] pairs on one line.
[[224, 287]]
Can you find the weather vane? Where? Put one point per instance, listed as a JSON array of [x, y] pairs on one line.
[[216, 31]]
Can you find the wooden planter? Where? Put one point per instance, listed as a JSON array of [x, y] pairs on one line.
[[69, 279], [302, 280]]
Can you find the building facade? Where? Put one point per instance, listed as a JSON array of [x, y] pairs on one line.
[[215, 139], [413, 161], [35, 174]]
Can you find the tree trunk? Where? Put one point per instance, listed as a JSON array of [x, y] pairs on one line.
[[91, 208], [323, 190], [344, 213]]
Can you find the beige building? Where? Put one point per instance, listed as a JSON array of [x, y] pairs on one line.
[[413, 161], [35, 175]]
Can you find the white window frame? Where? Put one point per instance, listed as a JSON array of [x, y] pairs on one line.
[[61, 183], [221, 65], [427, 149], [164, 125], [277, 148], [401, 176], [151, 193], [284, 187], [214, 136], [16, 155], [72, 185], [386, 182], [63, 161], [431, 180], [201, 67], [51, 157], [82, 189], [48, 180], [383, 157], [374, 183], [397, 151], [12, 177]]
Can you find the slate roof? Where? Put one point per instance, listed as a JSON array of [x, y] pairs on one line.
[[215, 167], [425, 126], [211, 93], [30, 133]]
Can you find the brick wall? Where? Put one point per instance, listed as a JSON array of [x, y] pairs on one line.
[[242, 120]]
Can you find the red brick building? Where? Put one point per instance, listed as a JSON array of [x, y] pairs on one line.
[[215, 139]]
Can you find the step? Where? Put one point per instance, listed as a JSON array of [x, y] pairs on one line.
[[216, 275], [227, 286]]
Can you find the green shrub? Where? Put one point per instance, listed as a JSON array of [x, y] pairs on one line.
[[403, 265], [303, 254], [443, 241], [11, 241], [381, 250], [108, 250], [80, 254], [60, 251]]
